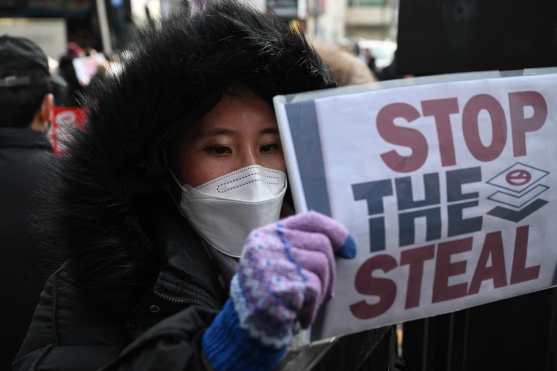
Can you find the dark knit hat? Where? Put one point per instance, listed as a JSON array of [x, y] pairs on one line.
[[21, 62]]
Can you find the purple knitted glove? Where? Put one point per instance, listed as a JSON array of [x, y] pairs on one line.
[[287, 270]]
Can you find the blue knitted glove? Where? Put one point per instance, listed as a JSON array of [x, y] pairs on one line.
[[286, 272]]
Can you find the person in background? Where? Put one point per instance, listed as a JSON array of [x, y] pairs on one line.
[[26, 107], [67, 71], [391, 72], [183, 250], [346, 68]]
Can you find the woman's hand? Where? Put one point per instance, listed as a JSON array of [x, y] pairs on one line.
[[287, 270]]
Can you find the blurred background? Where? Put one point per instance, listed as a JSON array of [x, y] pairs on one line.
[[68, 29], [394, 38]]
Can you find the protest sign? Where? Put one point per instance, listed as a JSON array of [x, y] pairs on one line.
[[65, 120], [448, 189], [86, 67]]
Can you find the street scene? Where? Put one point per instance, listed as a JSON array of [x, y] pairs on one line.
[[278, 185]]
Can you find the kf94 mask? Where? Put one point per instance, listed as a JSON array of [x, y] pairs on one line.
[[226, 209]]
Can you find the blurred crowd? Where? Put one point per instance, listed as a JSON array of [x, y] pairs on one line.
[[77, 70]]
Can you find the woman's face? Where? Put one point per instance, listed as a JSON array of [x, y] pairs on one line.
[[239, 131]]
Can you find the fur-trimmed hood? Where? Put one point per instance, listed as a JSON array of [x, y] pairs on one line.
[[176, 74]]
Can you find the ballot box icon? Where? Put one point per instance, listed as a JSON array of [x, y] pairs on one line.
[[518, 191]]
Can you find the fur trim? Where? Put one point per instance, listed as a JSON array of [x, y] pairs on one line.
[[176, 74]]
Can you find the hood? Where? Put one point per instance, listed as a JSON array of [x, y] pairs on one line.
[[116, 168]]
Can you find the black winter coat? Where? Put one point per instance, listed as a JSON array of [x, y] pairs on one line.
[[23, 157], [162, 329]]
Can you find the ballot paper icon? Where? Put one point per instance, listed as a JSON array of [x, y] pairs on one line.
[[518, 192], [518, 178], [518, 201]]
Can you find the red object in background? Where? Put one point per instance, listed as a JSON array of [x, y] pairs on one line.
[[65, 120]]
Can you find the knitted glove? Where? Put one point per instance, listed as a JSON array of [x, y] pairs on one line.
[[286, 272]]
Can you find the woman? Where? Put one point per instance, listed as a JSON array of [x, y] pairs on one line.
[[180, 161]]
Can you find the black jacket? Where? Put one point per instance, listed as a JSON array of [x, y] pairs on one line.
[[161, 330], [23, 157]]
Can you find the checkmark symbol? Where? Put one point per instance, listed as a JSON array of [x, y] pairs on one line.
[[517, 215]]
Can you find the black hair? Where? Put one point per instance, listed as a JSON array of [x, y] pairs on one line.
[[20, 104]]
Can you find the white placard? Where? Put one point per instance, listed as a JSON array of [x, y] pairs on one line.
[[86, 67], [448, 189]]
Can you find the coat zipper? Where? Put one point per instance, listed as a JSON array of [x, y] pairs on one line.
[[172, 299]]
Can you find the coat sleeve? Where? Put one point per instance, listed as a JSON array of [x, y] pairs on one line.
[[56, 342]]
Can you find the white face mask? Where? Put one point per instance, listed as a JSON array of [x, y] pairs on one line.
[[224, 210]]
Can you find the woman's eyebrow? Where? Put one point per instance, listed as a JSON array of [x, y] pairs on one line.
[[217, 131], [269, 131]]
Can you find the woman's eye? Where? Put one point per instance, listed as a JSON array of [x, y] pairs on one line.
[[273, 147], [218, 150]]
